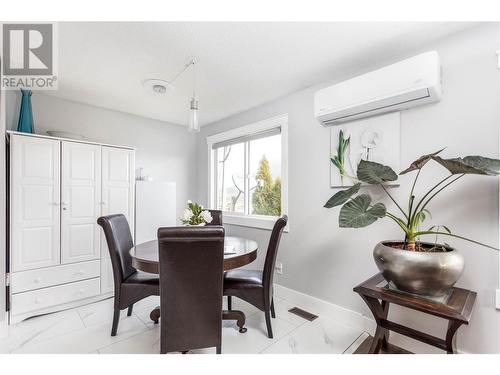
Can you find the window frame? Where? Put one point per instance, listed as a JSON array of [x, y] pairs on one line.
[[242, 219]]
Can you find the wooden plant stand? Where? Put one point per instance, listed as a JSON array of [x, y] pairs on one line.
[[457, 310]]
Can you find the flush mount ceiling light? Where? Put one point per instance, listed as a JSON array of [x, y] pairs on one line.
[[160, 86]]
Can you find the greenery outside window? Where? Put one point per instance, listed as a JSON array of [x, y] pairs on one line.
[[248, 173]]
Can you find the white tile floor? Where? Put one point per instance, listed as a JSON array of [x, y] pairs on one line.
[[87, 330]]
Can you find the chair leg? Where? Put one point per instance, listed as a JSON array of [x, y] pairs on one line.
[[129, 311], [229, 303], [163, 349], [218, 349], [268, 324], [116, 318], [273, 313]]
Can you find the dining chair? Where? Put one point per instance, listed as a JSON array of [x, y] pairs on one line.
[[216, 217], [256, 286], [191, 273], [131, 285]]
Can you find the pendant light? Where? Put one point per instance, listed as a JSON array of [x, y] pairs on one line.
[[160, 87], [194, 125]]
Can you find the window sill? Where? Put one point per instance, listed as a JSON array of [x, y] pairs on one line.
[[251, 221]]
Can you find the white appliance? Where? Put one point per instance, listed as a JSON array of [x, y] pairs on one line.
[[405, 84], [58, 189], [155, 207]]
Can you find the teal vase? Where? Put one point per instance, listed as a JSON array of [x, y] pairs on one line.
[[25, 123]]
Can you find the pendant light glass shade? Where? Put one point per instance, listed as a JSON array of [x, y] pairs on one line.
[[194, 125]]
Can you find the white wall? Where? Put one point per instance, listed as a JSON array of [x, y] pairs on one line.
[[324, 261]]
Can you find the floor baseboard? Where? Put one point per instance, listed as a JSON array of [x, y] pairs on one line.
[[321, 307]]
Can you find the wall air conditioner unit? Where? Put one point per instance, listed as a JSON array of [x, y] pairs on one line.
[[405, 84]]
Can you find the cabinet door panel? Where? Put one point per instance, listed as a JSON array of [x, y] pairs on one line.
[[81, 202], [35, 198], [118, 182]]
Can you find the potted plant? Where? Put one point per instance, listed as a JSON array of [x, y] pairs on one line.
[[194, 214], [425, 268]]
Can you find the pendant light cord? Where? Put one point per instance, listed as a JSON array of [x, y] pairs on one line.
[[192, 62], [182, 71]]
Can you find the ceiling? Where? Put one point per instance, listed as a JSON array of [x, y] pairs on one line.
[[238, 65]]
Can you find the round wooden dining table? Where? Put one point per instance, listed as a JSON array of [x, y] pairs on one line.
[[238, 252]]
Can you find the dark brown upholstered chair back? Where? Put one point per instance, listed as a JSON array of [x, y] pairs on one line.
[[256, 286], [119, 239], [130, 285], [272, 251], [216, 217], [191, 276]]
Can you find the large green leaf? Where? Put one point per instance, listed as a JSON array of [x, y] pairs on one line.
[[420, 162], [357, 213], [342, 196], [488, 165], [375, 173], [459, 166]]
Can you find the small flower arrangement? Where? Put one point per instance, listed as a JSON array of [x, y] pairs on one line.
[[194, 214]]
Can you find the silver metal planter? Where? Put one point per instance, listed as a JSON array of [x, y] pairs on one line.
[[427, 274]]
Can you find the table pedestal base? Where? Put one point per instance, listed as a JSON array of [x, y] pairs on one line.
[[155, 315], [237, 315]]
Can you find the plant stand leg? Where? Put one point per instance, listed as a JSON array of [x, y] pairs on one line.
[[451, 337], [380, 310], [385, 339], [378, 338]]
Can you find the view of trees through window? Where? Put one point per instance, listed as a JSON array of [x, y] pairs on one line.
[[249, 177], [266, 198]]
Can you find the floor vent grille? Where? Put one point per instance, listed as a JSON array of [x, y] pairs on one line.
[[303, 314]]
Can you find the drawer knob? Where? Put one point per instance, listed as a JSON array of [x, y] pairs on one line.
[[37, 280], [81, 291], [37, 300], [81, 272]]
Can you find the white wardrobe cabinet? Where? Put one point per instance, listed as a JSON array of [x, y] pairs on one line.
[[58, 189]]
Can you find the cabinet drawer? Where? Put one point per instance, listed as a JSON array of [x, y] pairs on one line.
[[50, 276], [56, 295]]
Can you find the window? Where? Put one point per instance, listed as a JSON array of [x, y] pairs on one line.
[[248, 179]]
